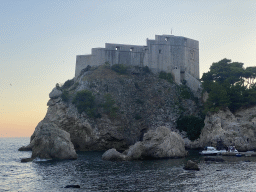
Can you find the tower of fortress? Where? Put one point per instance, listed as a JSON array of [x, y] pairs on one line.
[[172, 54]]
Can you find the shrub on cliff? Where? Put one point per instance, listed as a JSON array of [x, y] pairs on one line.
[[119, 68], [65, 96], [108, 105], [167, 76], [68, 84], [185, 92], [192, 125], [85, 102], [146, 69]]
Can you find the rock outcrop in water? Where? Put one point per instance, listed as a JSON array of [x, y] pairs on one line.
[[50, 142], [159, 143], [114, 155], [224, 128]]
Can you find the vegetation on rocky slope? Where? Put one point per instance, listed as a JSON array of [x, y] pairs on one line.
[[85, 102], [191, 125]]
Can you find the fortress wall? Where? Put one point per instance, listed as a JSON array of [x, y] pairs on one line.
[[192, 43], [98, 56], [111, 56], [192, 82], [82, 61], [149, 43], [124, 54], [124, 57], [192, 58], [172, 53], [169, 39], [157, 56], [176, 75], [178, 57]]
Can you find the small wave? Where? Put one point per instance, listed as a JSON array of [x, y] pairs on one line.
[[37, 159]]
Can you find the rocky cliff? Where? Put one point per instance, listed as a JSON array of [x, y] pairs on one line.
[[125, 107], [224, 128], [122, 108]]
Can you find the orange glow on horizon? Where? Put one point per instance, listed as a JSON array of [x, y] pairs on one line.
[[20, 124]]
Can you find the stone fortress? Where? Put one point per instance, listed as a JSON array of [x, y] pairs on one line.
[[168, 53]]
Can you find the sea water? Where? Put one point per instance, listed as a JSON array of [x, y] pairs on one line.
[[93, 174]]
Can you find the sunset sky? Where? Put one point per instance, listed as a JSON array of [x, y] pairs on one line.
[[39, 41]]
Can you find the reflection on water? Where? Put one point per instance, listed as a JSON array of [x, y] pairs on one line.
[[93, 174]]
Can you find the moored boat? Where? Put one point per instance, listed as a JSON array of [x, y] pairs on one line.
[[232, 149], [212, 151]]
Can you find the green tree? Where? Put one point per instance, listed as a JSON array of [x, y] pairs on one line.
[[229, 85], [250, 74], [224, 72], [192, 125], [218, 98]]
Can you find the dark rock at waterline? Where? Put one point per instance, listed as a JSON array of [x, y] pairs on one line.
[[191, 165], [216, 159], [25, 148], [159, 143], [113, 155], [72, 186], [25, 160]]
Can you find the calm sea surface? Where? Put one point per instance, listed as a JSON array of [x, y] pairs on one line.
[[93, 174]]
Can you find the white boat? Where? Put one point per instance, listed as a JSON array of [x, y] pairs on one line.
[[212, 151]]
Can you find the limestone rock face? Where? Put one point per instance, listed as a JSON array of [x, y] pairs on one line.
[[159, 143], [55, 93], [135, 151], [50, 142], [52, 102], [139, 101], [162, 143], [223, 129]]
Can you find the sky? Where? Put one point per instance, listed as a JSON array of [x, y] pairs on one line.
[[39, 41]]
